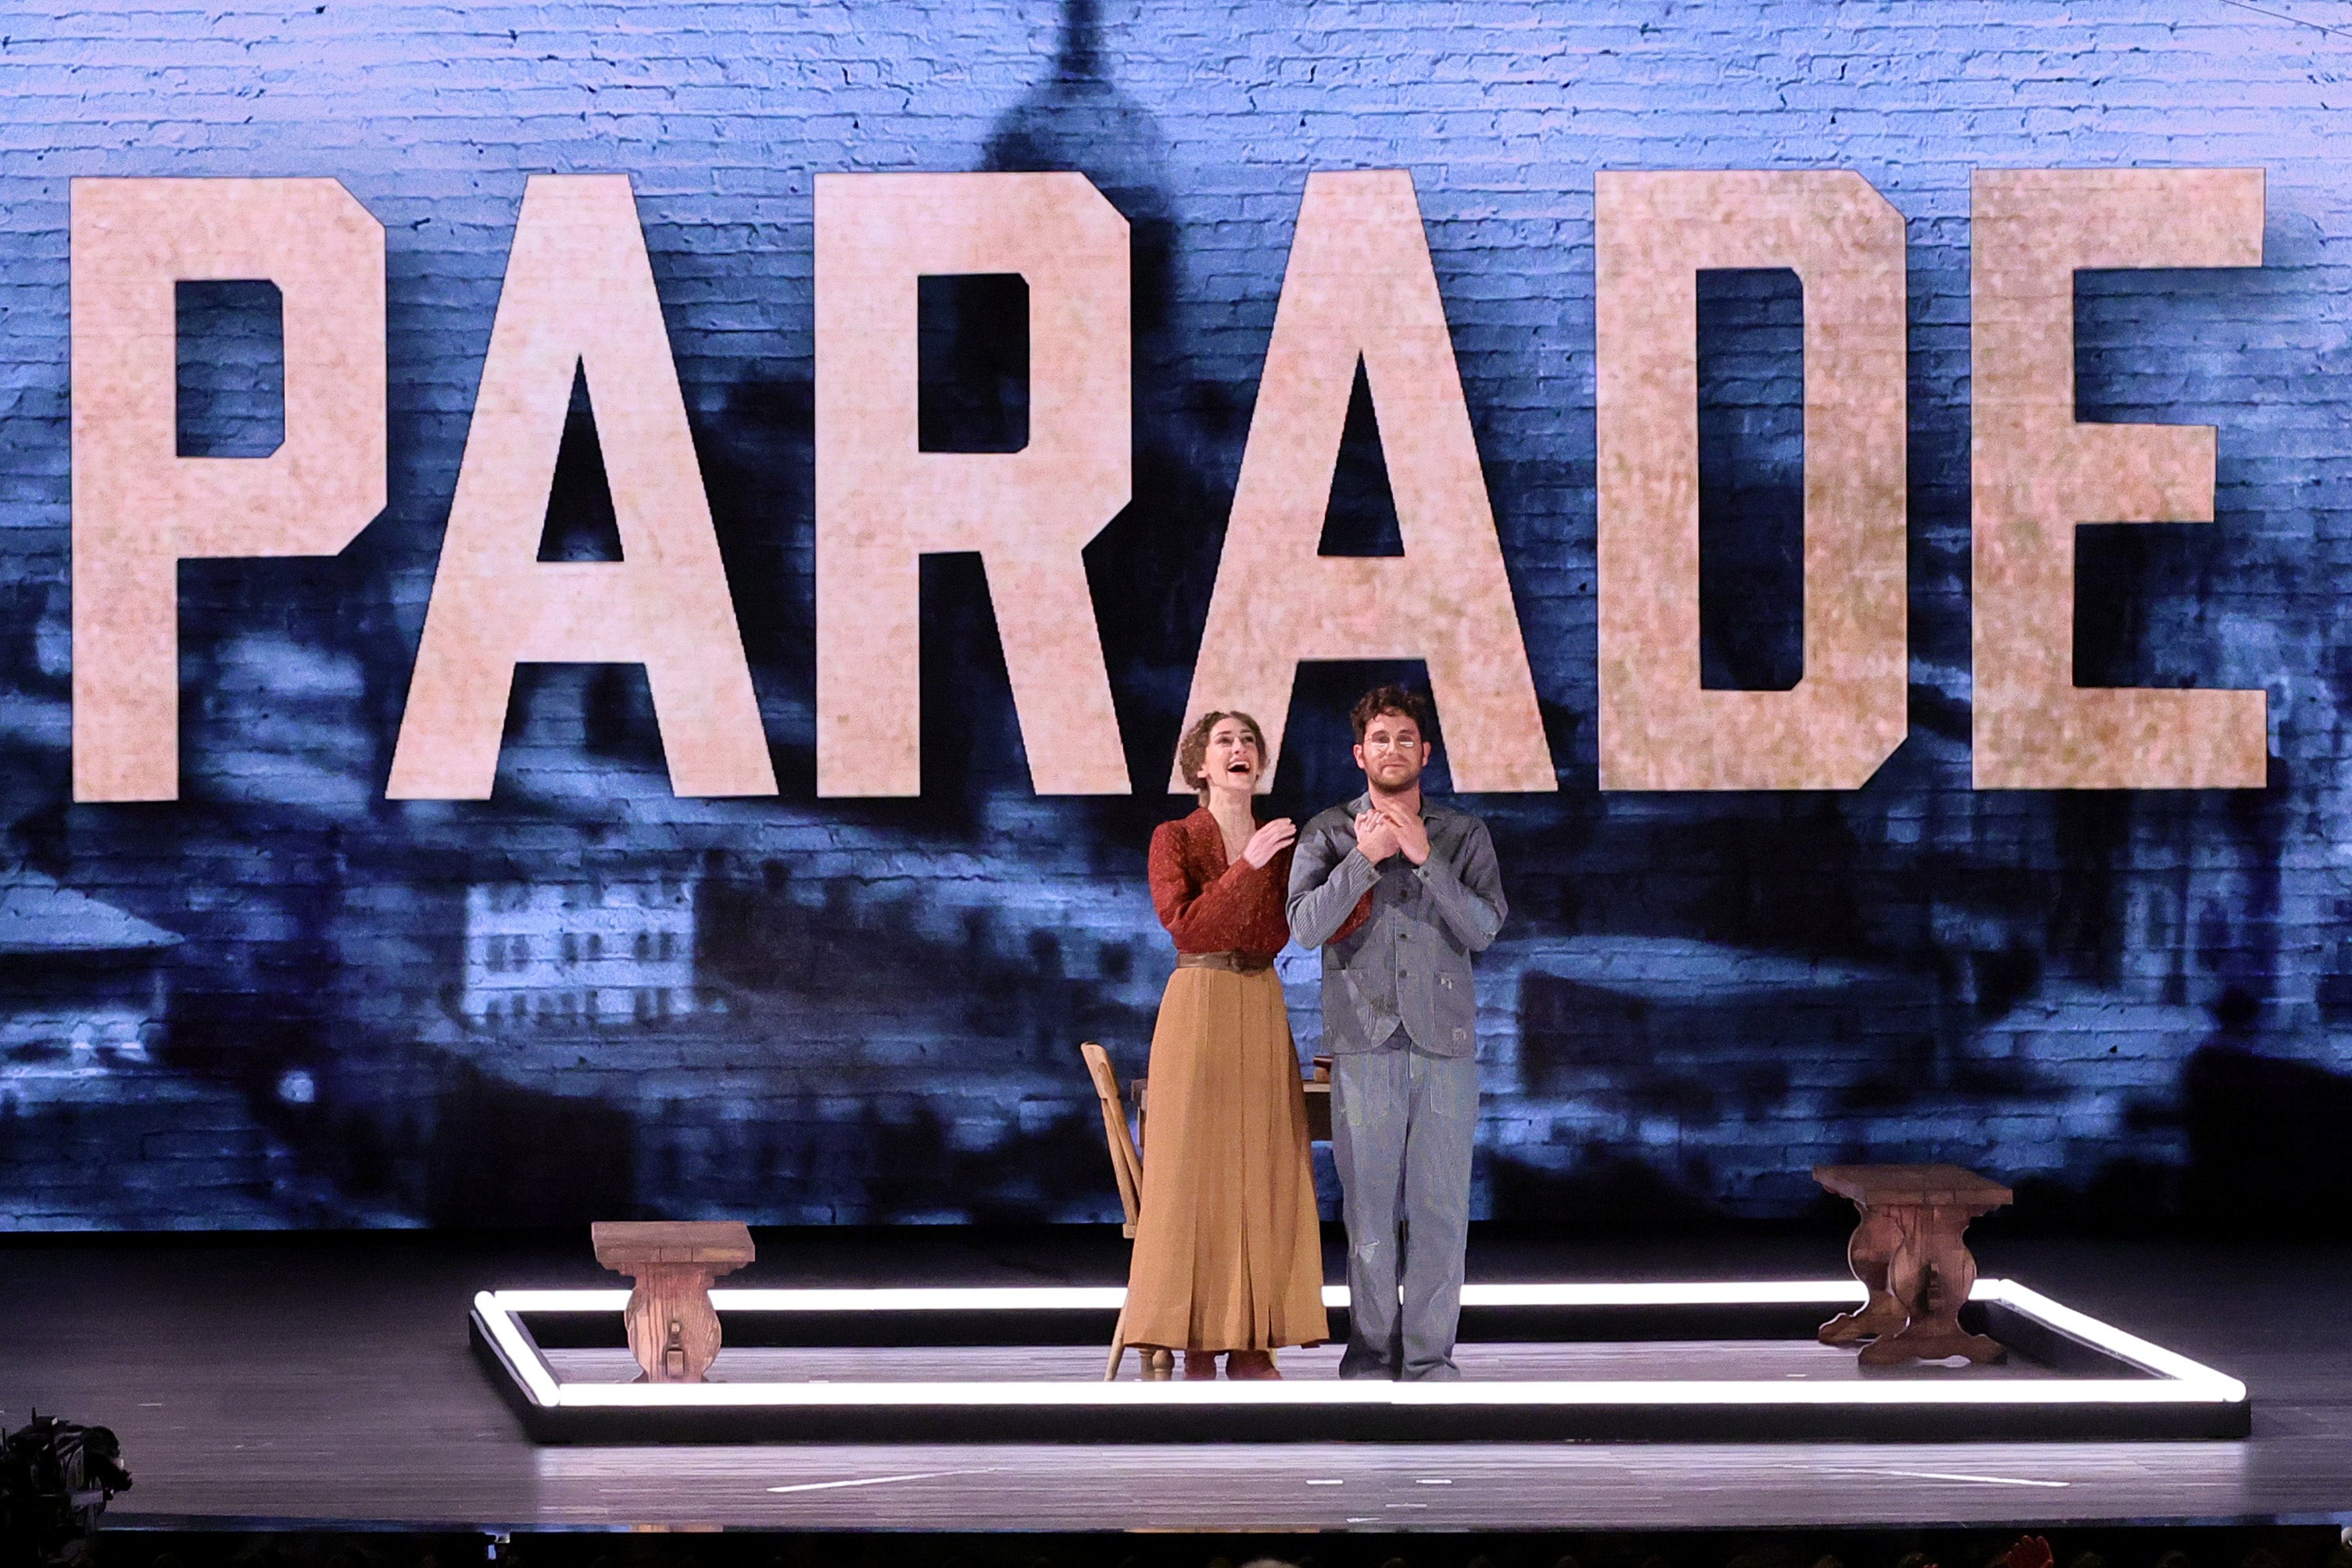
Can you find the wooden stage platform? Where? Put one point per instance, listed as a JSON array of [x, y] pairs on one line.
[[303, 1381]]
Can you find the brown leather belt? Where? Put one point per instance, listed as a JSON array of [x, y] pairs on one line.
[[1232, 962]]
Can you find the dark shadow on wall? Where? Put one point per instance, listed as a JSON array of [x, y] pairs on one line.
[[758, 455], [1605, 1193], [1751, 480], [395, 1130], [972, 362], [1360, 518], [503, 1154], [922, 1175], [230, 381], [2268, 1150]]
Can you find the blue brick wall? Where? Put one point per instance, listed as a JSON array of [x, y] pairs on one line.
[[586, 997]]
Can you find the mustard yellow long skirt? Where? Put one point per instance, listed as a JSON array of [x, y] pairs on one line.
[[1227, 1252]]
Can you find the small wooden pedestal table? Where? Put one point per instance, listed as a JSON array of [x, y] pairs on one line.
[[673, 1332], [1908, 1254]]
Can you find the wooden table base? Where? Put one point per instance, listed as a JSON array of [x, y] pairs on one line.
[[673, 1330], [1909, 1254]]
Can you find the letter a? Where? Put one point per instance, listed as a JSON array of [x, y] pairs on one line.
[[578, 300], [2036, 473], [1660, 729], [139, 509], [1361, 287]]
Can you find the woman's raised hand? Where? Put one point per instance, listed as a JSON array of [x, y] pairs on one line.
[[1269, 841]]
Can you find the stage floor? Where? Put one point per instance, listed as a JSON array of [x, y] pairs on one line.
[[306, 1381]]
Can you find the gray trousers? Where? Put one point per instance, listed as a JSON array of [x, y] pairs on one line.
[[1402, 1129]]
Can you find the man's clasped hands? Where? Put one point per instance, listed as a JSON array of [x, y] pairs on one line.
[[1384, 828], [1387, 827]]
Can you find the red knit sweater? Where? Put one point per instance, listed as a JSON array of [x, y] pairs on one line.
[[1210, 906]]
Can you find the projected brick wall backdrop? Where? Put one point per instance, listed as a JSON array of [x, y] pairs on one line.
[[285, 999]]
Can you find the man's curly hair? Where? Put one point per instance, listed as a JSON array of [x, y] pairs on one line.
[[1396, 700]]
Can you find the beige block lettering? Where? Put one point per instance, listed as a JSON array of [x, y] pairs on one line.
[[139, 509], [1361, 287], [2035, 474], [883, 503], [1659, 729], [579, 298]]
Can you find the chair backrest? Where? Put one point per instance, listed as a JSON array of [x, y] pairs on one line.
[[1125, 1163]]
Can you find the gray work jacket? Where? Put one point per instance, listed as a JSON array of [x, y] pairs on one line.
[[1410, 963]]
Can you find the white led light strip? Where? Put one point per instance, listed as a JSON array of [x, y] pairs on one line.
[[2175, 1379], [1110, 1298]]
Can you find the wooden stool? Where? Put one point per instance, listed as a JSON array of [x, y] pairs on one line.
[[673, 1332], [1908, 1254]]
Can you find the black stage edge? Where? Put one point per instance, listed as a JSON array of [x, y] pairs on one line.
[[2305, 1546]]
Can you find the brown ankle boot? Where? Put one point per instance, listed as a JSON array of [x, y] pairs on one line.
[[1200, 1364], [1251, 1365]]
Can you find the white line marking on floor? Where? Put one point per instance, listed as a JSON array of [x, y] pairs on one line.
[[1945, 1476], [873, 1480]]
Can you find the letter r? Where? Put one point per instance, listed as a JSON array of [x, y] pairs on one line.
[[882, 503]]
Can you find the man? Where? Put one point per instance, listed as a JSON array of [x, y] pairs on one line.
[[1401, 1021]]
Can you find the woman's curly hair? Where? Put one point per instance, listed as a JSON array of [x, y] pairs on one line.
[[1192, 753]]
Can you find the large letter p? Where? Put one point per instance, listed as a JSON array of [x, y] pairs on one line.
[[138, 508]]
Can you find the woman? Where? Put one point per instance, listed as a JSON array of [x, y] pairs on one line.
[[1228, 1257]]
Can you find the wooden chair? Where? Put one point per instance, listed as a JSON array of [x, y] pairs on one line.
[[1127, 1167]]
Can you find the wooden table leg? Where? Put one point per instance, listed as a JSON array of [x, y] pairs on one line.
[[1931, 1273], [1870, 1253], [673, 1330]]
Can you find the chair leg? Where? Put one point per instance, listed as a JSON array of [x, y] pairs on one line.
[[1117, 1347]]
